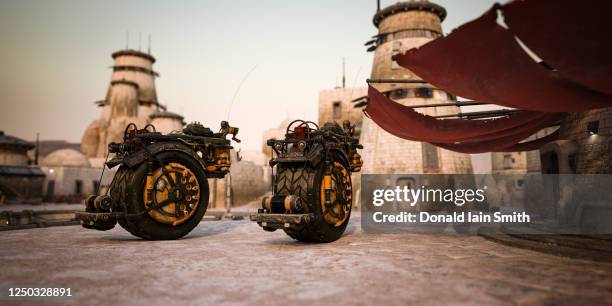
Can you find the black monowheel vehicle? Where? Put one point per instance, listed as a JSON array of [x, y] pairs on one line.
[[160, 190], [312, 193]]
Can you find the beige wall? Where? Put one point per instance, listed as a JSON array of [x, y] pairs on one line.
[[65, 179], [344, 96], [509, 162]]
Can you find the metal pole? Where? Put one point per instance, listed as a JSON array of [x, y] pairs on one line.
[[228, 196], [394, 81], [494, 113]]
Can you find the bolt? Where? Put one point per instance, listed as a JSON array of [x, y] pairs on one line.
[[287, 225]]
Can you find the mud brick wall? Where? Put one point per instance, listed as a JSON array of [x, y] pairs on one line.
[[594, 151]]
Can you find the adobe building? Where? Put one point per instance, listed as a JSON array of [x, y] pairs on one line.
[[20, 180], [70, 176], [336, 105], [403, 26]]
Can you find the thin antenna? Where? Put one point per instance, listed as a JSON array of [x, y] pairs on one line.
[[139, 41], [343, 74], [127, 40], [377, 5], [149, 46], [229, 111]]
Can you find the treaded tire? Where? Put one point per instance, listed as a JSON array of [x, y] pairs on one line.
[[127, 189], [305, 182]]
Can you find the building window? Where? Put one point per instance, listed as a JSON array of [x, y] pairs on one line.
[[430, 156], [397, 46], [78, 187], [337, 110], [96, 186], [50, 190], [398, 94], [508, 161], [423, 92]]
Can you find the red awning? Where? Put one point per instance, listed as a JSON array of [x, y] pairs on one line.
[[468, 136], [482, 61], [571, 36]]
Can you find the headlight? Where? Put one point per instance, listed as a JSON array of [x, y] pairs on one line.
[[278, 146], [301, 145]]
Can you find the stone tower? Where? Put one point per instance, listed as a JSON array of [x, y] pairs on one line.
[[137, 67], [403, 26], [131, 98]]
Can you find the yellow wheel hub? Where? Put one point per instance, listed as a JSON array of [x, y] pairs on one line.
[[336, 195], [178, 191]]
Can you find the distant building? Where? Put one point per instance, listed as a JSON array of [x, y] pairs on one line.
[[20, 181], [70, 176], [336, 105]]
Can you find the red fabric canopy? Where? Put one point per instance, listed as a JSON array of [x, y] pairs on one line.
[[482, 61], [571, 36], [469, 136], [499, 145]]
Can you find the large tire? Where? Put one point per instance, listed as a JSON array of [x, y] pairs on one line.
[[305, 182], [127, 190]]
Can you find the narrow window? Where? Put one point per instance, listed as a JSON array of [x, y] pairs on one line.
[[50, 190], [78, 187], [337, 110], [507, 161], [423, 92], [399, 94], [430, 156], [96, 186], [397, 45]]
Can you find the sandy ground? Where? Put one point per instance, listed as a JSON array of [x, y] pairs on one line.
[[236, 263]]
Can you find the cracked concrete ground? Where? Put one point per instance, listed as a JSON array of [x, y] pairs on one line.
[[235, 262]]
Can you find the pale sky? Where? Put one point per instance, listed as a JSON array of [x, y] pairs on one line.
[[55, 58]]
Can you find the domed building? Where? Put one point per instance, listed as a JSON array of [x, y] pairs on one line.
[[65, 158], [70, 176]]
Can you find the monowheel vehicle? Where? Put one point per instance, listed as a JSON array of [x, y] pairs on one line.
[[312, 194], [160, 190]]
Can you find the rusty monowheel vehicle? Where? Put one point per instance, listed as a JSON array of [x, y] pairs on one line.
[[160, 190], [312, 193]]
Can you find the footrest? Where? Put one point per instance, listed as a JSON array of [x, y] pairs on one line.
[[281, 220], [91, 218]]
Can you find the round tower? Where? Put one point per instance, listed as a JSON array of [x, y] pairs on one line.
[[137, 67], [403, 26]]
